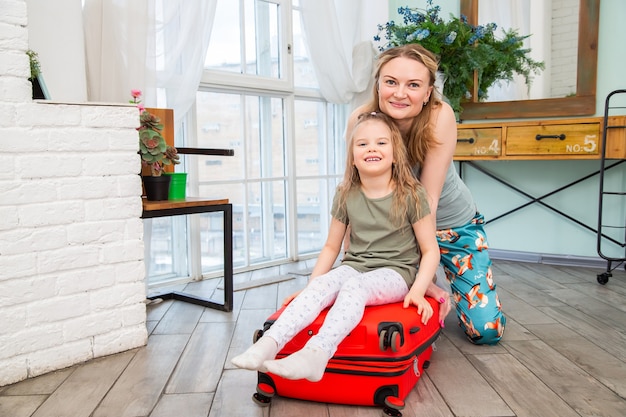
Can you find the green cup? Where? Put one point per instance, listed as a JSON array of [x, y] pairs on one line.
[[178, 185]]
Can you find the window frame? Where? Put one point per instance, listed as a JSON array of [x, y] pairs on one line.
[[283, 88]]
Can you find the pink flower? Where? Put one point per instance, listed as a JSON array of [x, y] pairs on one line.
[[135, 94]]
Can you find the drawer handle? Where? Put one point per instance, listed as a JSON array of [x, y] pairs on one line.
[[469, 140], [561, 137]]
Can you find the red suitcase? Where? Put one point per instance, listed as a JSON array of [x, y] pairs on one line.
[[378, 364]]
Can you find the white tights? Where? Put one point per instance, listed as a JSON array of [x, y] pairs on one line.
[[349, 291]]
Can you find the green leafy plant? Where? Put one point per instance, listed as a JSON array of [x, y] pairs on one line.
[[463, 50], [35, 68], [155, 152]]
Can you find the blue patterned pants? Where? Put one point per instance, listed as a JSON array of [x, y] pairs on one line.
[[466, 262]]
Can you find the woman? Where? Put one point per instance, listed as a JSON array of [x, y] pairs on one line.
[[393, 255], [403, 89]]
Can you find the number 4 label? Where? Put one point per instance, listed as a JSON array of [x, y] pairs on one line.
[[494, 147]]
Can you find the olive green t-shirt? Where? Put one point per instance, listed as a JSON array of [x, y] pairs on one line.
[[374, 241], [456, 205]]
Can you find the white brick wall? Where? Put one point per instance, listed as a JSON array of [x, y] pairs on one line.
[[71, 250], [564, 47]]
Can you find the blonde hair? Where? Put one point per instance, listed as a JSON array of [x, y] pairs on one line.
[[420, 136], [406, 185]]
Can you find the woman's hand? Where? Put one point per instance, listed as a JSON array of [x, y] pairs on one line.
[[444, 308], [442, 296]]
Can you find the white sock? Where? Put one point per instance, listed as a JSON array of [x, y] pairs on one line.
[[264, 349], [308, 363]]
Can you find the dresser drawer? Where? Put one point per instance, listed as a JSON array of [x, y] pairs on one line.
[[554, 139], [479, 142]]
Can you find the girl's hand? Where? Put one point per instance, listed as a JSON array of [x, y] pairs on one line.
[[423, 307]]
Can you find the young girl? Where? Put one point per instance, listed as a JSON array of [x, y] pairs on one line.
[[391, 231], [403, 90]]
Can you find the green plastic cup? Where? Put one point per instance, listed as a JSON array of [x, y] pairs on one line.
[[178, 185]]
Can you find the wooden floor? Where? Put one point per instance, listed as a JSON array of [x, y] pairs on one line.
[[563, 354]]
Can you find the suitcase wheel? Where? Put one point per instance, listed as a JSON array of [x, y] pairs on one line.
[[382, 343], [257, 335], [393, 405], [394, 340], [389, 338], [263, 395]]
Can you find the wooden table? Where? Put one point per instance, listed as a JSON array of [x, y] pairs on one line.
[[194, 205]]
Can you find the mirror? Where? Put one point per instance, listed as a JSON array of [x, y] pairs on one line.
[[582, 104], [552, 29]]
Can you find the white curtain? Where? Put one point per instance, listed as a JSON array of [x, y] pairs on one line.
[[115, 49], [184, 32], [160, 45], [150, 45], [342, 52]]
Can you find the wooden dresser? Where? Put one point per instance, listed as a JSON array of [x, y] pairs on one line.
[[540, 140], [579, 138]]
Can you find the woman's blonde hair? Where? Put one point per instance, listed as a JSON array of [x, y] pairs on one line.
[[420, 136], [406, 185]]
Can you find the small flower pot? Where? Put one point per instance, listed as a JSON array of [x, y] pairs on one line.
[[156, 188]]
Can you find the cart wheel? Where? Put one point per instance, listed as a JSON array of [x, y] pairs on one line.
[[257, 335], [263, 395], [395, 341], [392, 407], [603, 278]]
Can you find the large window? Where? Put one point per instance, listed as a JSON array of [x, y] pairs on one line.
[[246, 38], [319, 160], [255, 179], [259, 96]]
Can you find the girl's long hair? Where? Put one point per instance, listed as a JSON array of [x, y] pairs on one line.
[[420, 136], [405, 183]]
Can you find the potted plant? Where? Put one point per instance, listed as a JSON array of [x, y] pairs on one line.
[[463, 50], [155, 152], [39, 88]]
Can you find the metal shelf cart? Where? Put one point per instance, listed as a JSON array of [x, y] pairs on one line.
[[611, 201]]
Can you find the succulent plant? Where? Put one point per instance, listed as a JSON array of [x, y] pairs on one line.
[[150, 121], [155, 152]]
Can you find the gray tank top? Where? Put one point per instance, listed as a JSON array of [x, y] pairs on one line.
[[456, 205]]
